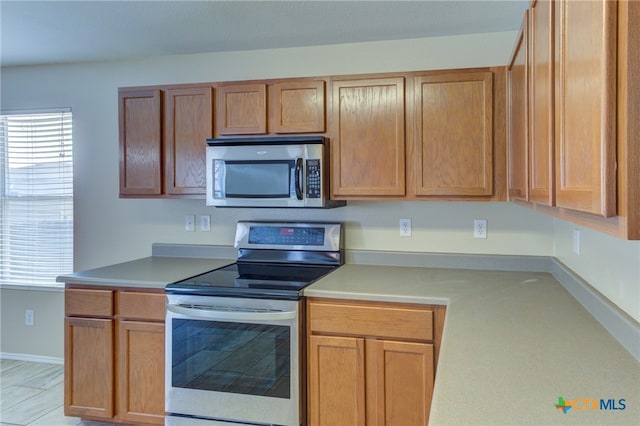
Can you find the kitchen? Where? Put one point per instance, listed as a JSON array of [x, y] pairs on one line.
[[111, 230]]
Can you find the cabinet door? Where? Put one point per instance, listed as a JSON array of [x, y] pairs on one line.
[[368, 138], [242, 109], [517, 122], [541, 148], [140, 142], [141, 372], [403, 377], [298, 107], [188, 123], [454, 134], [88, 368], [336, 392], [585, 69]]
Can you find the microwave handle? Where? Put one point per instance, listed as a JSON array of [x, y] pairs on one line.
[[299, 169]]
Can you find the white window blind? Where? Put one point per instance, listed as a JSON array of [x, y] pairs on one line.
[[36, 230]]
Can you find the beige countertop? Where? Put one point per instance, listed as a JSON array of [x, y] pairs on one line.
[[149, 272], [513, 343]]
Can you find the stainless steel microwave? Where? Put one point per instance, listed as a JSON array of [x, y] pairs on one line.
[[291, 171]]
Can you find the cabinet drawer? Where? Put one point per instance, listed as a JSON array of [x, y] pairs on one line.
[[135, 305], [88, 303], [376, 320]]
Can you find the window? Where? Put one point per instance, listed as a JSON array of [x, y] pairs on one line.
[[36, 191]]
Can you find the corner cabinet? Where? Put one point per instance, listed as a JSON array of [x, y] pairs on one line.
[[371, 362], [367, 131], [585, 84], [162, 140], [114, 355], [582, 159]]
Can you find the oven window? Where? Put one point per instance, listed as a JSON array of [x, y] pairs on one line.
[[250, 359], [259, 179]]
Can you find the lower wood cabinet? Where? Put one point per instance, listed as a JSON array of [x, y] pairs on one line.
[[371, 363], [114, 355]]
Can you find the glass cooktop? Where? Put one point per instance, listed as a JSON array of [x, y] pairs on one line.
[[249, 279]]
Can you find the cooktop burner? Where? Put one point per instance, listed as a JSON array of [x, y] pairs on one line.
[[252, 280], [275, 260]]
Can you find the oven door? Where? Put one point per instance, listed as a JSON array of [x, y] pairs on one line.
[[233, 359]]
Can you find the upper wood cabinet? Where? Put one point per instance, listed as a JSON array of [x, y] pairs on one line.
[[367, 131], [162, 140], [242, 109], [583, 156], [518, 117], [298, 106], [541, 89], [188, 122], [291, 106], [585, 84], [454, 134], [140, 112]]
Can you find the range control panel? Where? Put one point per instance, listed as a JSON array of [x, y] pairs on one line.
[[299, 236], [286, 235]]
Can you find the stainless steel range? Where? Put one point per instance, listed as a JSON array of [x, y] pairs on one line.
[[234, 335]]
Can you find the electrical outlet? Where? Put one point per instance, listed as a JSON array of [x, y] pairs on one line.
[[576, 241], [190, 223], [405, 227], [205, 223], [28, 317], [480, 228]]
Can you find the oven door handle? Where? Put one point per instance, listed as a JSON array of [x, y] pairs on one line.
[[240, 315]]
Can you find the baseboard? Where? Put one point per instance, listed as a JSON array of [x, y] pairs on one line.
[[32, 358], [619, 324]]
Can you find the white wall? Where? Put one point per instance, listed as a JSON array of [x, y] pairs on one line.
[[609, 264], [110, 230]]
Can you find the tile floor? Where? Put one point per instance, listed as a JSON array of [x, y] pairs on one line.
[[32, 394]]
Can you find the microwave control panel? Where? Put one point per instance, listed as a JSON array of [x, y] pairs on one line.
[[313, 179]]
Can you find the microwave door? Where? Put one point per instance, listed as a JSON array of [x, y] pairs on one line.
[[258, 183]]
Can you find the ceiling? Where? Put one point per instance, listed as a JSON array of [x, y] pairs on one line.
[[48, 32]]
